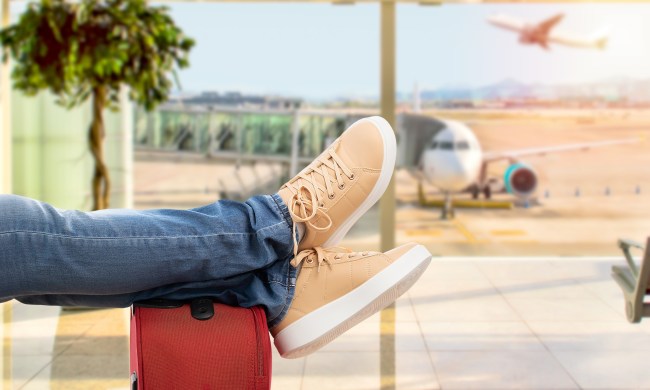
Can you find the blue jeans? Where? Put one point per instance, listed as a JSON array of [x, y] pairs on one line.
[[236, 253]]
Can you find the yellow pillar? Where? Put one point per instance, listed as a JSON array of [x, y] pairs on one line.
[[5, 339], [5, 114], [5, 188], [387, 203]]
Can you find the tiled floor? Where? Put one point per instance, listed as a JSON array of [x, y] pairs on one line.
[[469, 323]]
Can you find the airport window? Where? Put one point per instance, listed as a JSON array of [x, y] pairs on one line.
[[462, 145]]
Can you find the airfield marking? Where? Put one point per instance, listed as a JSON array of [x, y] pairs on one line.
[[511, 232], [464, 231], [424, 232]]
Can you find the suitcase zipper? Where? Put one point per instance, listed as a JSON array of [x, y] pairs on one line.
[[260, 347]]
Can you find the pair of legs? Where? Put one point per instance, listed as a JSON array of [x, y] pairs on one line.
[[274, 251], [237, 253]]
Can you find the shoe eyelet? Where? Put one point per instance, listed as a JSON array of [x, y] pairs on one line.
[[331, 196], [342, 186], [321, 204], [337, 257], [310, 261], [352, 176]]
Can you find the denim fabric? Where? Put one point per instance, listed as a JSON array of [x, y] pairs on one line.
[[237, 253]]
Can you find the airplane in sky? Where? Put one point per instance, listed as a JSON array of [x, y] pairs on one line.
[[541, 33], [447, 154]]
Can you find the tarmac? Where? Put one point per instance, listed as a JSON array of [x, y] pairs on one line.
[[513, 299]]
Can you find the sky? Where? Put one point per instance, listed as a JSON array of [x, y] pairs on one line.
[[323, 51], [320, 51]]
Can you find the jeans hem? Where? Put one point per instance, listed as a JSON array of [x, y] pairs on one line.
[[283, 208], [291, 289], [291, 275]]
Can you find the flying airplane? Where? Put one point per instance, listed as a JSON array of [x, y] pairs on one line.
[[541, 34], [448, 155]]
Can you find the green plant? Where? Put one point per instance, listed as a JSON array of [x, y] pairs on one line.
[[92, 48]]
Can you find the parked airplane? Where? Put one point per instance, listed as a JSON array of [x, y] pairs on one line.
[[540, 33], [452, 159]]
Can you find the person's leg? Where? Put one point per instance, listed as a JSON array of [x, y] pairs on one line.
[[44, 250], [271, 287], [328, 196]]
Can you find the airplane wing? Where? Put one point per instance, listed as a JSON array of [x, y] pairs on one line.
[[516, 154], [415, 133], [507, 22], [597, 42]]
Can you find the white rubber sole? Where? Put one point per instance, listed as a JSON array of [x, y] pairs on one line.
[[387, 168], [326, 323]]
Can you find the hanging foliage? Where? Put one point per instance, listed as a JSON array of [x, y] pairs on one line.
[[91, 48]]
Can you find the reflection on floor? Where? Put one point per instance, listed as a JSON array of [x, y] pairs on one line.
[[469, 323]]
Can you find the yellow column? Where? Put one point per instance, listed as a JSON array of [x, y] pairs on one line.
[[387, 203], [5, 188], [5, 338], [5, 112]]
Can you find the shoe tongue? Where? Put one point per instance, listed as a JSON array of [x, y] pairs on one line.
[[319, 167], [347, 159]]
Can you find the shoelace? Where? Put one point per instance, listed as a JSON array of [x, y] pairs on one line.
[[320, 255], [308, 199]]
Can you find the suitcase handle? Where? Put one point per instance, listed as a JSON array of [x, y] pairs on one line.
[[202, 309]]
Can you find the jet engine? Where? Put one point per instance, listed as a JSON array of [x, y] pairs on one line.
[[520, 180]]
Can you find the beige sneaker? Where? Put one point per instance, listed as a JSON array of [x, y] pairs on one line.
[[336, 289], [337, 188]]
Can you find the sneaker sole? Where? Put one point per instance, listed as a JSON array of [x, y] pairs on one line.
[[387, 168], [323, 325]]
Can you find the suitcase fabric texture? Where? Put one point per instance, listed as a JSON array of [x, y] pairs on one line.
[[199, 345]]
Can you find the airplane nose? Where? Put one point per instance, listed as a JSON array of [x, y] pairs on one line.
[[449, 173]]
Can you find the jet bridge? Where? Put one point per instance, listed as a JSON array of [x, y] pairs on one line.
[[246, 137]]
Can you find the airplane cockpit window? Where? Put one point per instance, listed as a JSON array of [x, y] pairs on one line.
[[449, 145], [446, 145]]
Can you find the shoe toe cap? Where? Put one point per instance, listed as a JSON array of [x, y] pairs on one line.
[[366, 144]]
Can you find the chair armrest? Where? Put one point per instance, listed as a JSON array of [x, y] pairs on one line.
[[634, 280]]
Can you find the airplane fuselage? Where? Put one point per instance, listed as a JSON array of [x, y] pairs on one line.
[[530, 35], [452, 161]]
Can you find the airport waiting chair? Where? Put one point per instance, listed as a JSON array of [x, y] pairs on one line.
[[634, 280]]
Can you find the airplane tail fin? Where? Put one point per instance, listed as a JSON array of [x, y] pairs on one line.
[[548, 24]]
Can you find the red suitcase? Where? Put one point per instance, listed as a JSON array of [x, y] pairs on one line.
[[199, 345]]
